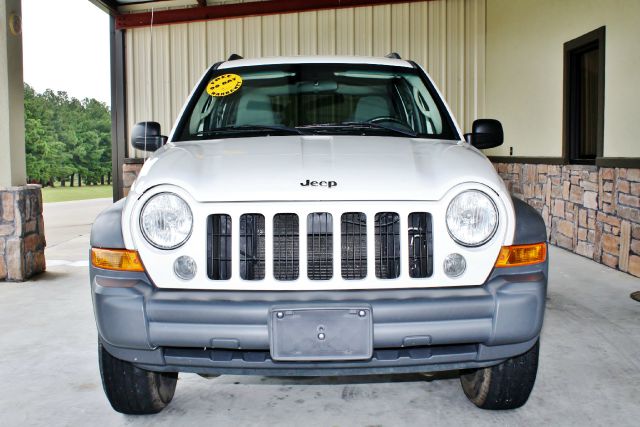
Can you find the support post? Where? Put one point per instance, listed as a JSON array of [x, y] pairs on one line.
[[22, 240], [13, 170], [118, 109]]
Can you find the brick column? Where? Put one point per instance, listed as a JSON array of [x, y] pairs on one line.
[[22, 239], [130, 171]]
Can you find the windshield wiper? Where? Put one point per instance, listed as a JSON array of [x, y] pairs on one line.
[[356, 125], [250, 128], [379, 126]]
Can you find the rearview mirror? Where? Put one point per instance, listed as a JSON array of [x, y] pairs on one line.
[[147, 136], [486, 133], [317, 87]]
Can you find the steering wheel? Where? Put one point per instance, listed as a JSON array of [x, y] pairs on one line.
[[387, 119]]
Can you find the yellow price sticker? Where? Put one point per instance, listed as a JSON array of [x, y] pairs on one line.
[[224, 85]]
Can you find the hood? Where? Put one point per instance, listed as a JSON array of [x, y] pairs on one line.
[[305, 168]]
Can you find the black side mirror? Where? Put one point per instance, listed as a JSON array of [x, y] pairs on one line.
[[147, 136], [486, 133]]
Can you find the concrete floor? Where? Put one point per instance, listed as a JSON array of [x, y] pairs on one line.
[[589, 369]]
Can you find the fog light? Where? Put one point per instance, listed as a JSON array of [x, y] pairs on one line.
[[185, 267], [454, 265]]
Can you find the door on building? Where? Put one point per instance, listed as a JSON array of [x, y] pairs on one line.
[[584, 98]]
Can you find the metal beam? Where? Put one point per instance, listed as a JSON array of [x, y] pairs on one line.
[[236, 10], [118, 108]]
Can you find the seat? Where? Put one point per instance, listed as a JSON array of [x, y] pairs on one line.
[[370, 107], [255, 109]]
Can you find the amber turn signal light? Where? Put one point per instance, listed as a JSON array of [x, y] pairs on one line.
[[519, 255], [116, 259]]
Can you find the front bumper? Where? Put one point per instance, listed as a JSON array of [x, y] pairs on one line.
[[226, 332]]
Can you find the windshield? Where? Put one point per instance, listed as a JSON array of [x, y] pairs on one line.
[[315, 99]]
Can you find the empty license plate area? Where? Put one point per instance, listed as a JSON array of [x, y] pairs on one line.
[[321, 334]]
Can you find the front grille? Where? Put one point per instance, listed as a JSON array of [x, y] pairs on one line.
[[286, 243], [387, 240], [386, 234], [219, 247], [252, 247], [320, 246], [420, 245], [353, 227]]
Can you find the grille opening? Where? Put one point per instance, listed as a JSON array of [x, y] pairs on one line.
[[252, 247], [286, 249], [353, 229], [387, 241], [320, 246], [219, 247], [420, 245]]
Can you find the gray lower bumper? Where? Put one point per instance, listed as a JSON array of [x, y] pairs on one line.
[[227, 332]]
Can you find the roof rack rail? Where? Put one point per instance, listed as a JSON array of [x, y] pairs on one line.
[[393, 55], [234, 56]]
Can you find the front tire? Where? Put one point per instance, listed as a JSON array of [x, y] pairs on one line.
[[134, 391], [504, 386]]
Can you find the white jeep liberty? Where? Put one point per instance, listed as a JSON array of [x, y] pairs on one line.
[[317, 216]]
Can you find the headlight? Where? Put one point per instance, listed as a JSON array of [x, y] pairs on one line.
[[166, 221], [472, 218]]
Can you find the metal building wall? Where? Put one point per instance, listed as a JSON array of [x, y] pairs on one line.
[[447, 37]]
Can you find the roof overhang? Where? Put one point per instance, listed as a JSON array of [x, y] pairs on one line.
[[135, 13], [108, 6]]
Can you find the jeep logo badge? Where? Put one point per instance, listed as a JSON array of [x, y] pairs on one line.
[[310, 183]]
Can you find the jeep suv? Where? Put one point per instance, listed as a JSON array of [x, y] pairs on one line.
[[317, 216]]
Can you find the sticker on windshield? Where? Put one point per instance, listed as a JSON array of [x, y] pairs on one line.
[[224, 85]]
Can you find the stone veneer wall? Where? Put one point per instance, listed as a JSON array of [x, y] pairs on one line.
[[592, 211], [22, 239], [130, 170]]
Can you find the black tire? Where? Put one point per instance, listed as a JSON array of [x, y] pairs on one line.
[[134, 391], [504, 386]]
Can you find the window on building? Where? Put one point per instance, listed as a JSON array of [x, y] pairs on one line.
[[584, 97]]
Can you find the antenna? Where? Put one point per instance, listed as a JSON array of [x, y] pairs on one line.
[[393, 55], [234, 56]]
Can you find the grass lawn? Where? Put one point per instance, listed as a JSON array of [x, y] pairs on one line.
[[64, 194]]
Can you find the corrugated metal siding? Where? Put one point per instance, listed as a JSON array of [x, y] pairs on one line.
[[447, 37]]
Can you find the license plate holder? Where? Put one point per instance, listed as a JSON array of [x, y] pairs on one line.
[[321, 333]]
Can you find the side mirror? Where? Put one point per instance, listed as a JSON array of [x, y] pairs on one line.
[[147, 136], [486, 133]]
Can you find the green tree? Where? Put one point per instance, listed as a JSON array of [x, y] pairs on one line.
[[66, 138]]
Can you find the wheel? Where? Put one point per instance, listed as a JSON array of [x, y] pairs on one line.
[[132, 390], [504, 386]]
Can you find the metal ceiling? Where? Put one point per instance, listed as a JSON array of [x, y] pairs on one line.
[[136, 13], [116, 7]]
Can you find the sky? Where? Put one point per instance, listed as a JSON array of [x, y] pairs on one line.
[[66, 48]]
